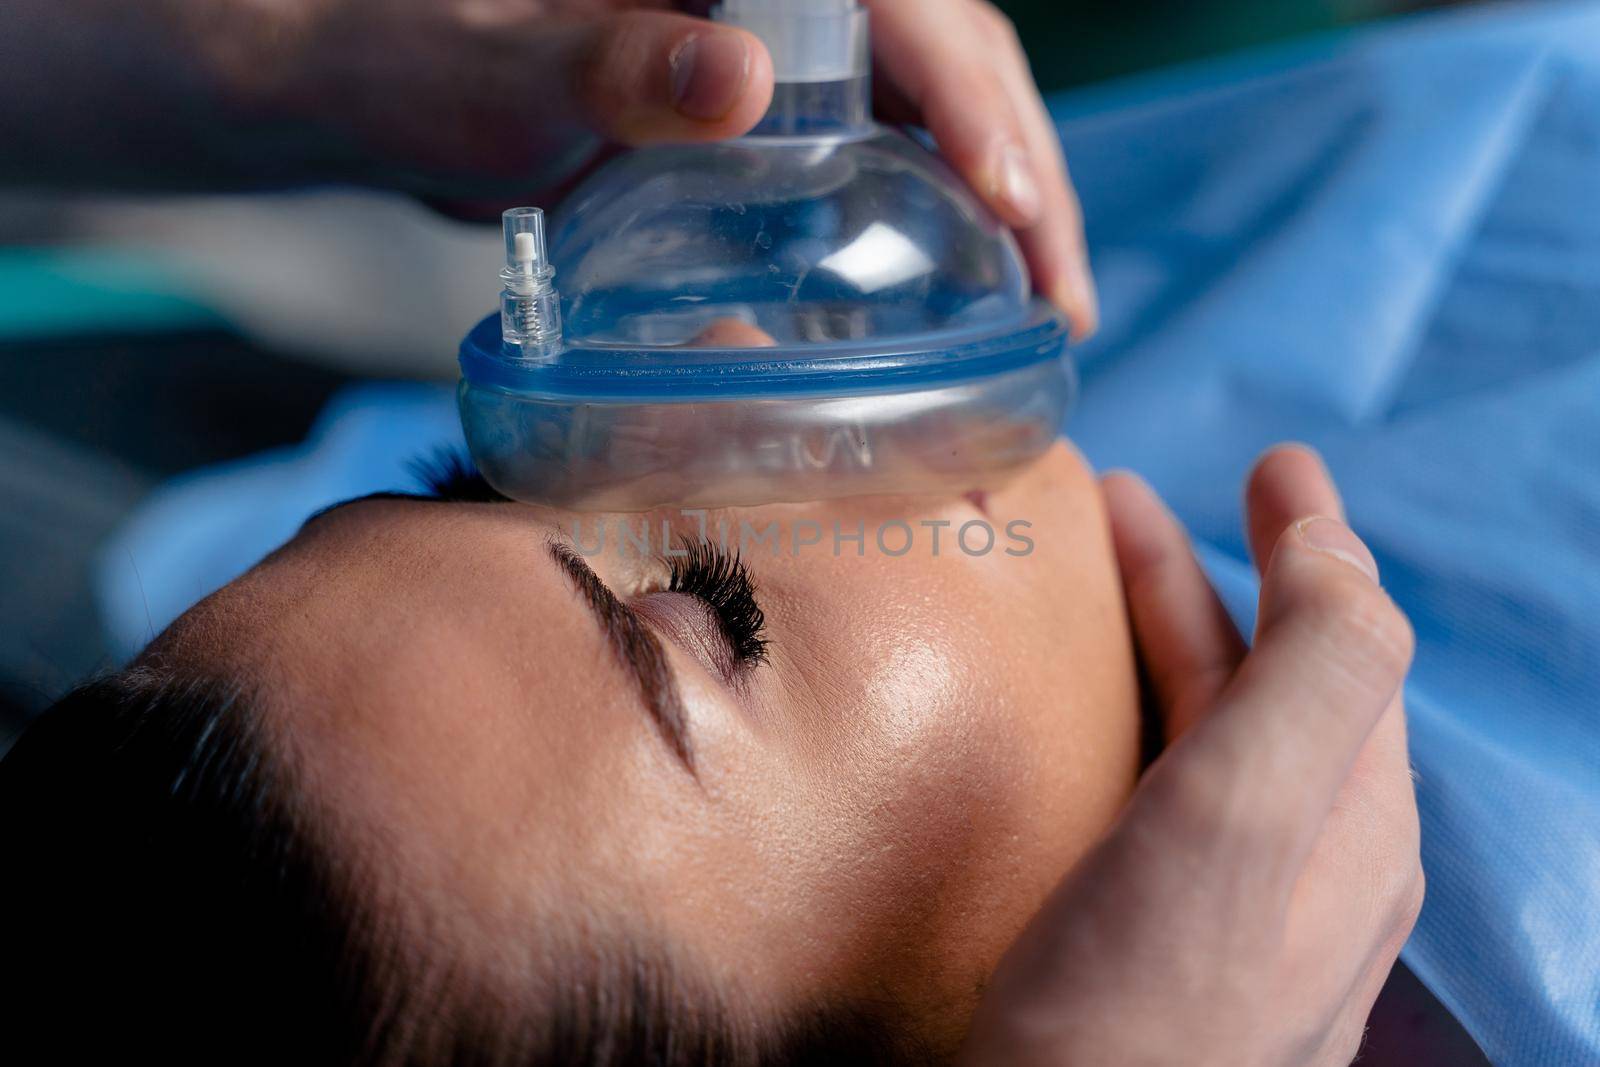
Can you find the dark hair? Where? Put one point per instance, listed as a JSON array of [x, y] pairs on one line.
[[169, 895]]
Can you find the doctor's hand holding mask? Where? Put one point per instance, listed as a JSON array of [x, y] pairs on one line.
[[479, 104]]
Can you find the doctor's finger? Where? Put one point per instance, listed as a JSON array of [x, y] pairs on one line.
[[648, 77], [1258, 776], [1361, 891], [1374, 818], [1287, 483], [1187, 643], [1055, 246], [930, 53]]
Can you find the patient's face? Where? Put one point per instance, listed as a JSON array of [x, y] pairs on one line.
[[871, 804]]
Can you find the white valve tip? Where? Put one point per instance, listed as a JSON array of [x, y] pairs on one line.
[[526, 248]]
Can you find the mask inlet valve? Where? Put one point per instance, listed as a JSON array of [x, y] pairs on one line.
[[530, 307]]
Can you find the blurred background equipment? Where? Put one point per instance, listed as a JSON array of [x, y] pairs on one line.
[[1072, 44]]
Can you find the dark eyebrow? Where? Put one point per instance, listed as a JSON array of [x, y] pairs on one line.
[[635, 647]]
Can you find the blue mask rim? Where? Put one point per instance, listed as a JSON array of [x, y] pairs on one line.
[[611, 372]]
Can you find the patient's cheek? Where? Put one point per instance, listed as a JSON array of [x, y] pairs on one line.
[[1060, 663], [995, 745]]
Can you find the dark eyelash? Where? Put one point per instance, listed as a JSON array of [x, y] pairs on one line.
[[722, 582], [449, 474]]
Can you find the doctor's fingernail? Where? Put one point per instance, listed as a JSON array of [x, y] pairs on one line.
[[1334, 538], [1017, 186], [709, 74], [1076, 298]]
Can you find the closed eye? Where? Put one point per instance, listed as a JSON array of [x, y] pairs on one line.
[[722, 583]]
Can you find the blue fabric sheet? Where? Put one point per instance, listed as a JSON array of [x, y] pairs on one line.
[[1386, 243]]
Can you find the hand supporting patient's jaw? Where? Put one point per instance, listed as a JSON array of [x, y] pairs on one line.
[[1251, 901]]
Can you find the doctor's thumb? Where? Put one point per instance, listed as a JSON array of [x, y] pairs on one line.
[[651, 77]]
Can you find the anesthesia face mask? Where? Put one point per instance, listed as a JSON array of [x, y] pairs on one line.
[[819, 309]]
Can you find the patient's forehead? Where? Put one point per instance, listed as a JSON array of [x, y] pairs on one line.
[[462, 720]]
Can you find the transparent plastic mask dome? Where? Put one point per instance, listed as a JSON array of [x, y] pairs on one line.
[[847, 237], [819, 309]]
